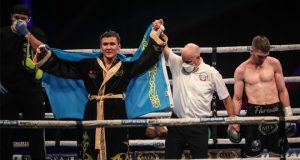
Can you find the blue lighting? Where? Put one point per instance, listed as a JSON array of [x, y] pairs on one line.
[[27, 3]]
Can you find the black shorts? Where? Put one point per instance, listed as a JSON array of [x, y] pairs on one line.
[[269, 136]]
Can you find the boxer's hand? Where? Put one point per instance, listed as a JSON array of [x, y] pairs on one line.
[[233, 132], [42, 50], [234, 126], [157, 33], [290, 128], [234, 135], [158, 24], [150, 132], [161, 131]]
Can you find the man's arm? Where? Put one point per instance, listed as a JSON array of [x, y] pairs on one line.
[[21, 28], [151, 54], [229, 106], [148, 58], [237, 97], [34, 42], [282, 90], [52, 64], [166, 52], [158, 35], [290, 128], [231, 113], [238, 90]]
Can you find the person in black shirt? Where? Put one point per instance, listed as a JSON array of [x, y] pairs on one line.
[[21, 92]]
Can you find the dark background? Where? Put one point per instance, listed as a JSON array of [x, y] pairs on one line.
[[78, 24]]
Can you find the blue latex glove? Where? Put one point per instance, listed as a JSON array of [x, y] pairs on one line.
[[21, 27]]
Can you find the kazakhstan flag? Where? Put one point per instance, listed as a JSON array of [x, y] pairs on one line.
[[146, 93]]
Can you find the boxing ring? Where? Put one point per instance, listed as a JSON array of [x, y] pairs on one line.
[[217, 118]]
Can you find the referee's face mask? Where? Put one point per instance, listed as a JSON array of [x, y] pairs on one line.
[[188, 67], [190, 63]]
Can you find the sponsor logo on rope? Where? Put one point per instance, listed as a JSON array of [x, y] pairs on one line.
[[134, 121], [213, 119], [8, 122]]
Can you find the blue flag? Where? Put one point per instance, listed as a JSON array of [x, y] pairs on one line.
[[146, 93]]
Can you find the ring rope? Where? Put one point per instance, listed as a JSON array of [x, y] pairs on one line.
[[140, 142], [145, 122], [161, 142], [234, 49], [295, 110]]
